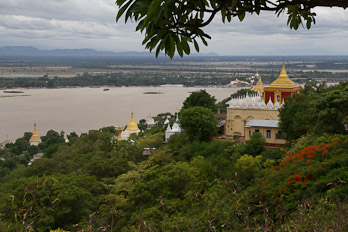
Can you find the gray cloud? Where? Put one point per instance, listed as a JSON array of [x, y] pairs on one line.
[[79, 23]]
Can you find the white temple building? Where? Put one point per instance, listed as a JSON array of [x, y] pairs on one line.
[[243, 109], [172, 130], [166, 122], [150, 122], [66, 139], [132, 128], [252, 101]]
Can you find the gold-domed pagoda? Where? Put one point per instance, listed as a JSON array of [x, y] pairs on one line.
[[35, 138], [132, 125], [280, 89], [259, 86], [132, 128]]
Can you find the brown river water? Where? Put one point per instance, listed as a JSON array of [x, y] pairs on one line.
[[83, 109]]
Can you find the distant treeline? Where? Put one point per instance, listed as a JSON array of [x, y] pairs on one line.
[[152, 79], [113, 79]]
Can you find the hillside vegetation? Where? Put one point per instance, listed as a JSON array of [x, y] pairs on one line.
[[95, 183]]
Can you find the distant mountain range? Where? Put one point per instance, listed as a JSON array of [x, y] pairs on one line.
[[32, 52]]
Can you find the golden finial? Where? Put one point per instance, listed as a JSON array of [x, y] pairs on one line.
[[283, 62], [35, 131]]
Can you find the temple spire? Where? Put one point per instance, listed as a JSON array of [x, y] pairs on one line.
[[259, 86], [132, 125], [283, 81], [35, 131], [35, 138]]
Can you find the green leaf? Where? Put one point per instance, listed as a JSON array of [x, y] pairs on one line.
[[223, 15], [153, 8], [207, 36], [171, 47], [122, 10], [204, 41], [241, 16], [179, 47], [196, 45], [158, 49], [185, 45], [229, 17], [309, 22]]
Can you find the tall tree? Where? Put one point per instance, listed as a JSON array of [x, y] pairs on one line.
[[198, 122], [317, 109], [201, 98], [172, 25], [332, 110], [297, 116]]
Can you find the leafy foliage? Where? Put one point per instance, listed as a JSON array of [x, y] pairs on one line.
[[200, 98], [170, 26], [317, 109], [198, 122], [96, 183]]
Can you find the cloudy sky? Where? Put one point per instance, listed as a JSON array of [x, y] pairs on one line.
[[51, 24]]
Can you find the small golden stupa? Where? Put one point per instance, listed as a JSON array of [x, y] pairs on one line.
[[259, 86], [132, 125], [119, 137], [66, 139], [35, 138], [132, 128]]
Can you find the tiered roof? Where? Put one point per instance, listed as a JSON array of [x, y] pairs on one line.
[[283, 81], [35, 138]]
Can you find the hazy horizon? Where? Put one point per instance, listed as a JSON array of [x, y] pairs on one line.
[[75, 24]]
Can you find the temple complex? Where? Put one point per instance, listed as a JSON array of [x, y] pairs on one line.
[[241, 110], [132, 128], [35, 138], [259, 112], [280, 89]]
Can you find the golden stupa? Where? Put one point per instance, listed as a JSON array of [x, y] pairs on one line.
[[259, 86], [35, 138], [283, 81], [119, 137], [132, 125]]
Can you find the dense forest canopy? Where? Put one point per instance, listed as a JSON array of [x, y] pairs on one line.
[[96, 183]]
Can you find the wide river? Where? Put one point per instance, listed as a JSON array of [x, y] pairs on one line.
[[83, 109]]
